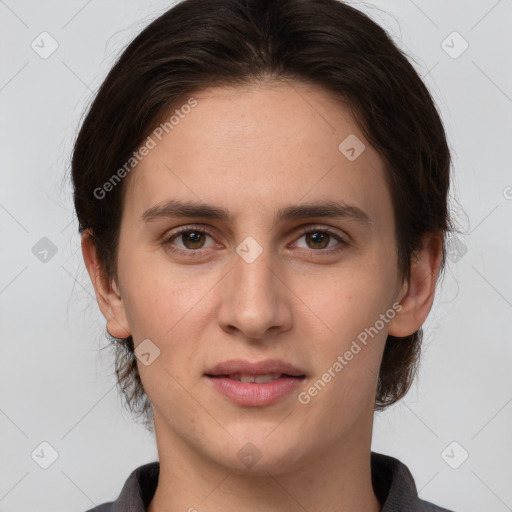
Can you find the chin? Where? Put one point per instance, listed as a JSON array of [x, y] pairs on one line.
[[261, 453]]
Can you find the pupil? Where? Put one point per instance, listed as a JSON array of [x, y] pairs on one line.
[[193, 237], [318, 237]]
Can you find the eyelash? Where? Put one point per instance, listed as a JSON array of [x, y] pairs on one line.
[[167, 243]]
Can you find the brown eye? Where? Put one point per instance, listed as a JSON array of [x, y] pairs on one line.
[[316, 239], [319, 239], [193, 239], [188, 241]]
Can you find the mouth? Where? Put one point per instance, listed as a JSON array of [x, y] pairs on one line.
[[255, 384], [239, 368], [257, 379]]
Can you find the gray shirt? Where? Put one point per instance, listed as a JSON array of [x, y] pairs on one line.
[[392, 482]]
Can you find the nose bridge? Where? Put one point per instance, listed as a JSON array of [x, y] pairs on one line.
[[254, 301], [253, 276], [252, 263]]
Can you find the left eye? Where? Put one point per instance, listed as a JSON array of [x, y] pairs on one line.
[[192, 239], [319, 238]]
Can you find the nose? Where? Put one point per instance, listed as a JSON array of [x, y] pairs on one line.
[[255, 301]]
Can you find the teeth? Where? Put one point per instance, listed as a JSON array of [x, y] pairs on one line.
[[258, 379], [266, 378]]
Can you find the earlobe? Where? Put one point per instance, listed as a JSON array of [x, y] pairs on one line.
[[106, 290], [417, 295]]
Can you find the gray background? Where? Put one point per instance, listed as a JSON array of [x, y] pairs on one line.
[[57, 385]]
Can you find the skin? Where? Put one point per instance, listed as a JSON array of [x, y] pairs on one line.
[[254, 150]]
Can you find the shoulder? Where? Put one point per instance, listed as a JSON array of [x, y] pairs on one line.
[[137, 491], [395, 488], [105, 507], [426, 506]]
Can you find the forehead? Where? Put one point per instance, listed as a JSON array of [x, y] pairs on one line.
[[260, 145]]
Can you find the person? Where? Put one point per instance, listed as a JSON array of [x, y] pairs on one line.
[[261, 188]]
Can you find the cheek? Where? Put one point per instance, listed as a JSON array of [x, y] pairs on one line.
[[348, 300], [349, 333], [158, 296], [172, 308]]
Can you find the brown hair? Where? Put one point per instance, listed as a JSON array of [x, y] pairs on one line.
[[202, 43]]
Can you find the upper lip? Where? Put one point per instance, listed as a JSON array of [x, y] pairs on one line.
[[254, 368]]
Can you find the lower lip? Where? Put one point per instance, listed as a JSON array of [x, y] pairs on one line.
[[252, 394]]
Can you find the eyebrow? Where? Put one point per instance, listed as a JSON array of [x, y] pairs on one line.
[[331, 209]]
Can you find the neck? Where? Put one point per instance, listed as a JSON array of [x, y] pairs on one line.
[[336, 481]]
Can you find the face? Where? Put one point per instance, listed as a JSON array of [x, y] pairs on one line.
[[264, 273]]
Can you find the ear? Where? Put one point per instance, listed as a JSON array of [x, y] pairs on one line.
[[107, 294], [417, 295]]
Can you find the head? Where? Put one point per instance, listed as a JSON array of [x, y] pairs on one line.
[[258, 108]]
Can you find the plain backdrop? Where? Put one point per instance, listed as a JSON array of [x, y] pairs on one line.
[[453, 430]]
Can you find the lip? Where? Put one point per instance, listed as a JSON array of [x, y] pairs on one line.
[[254, 368], [254, 394]]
